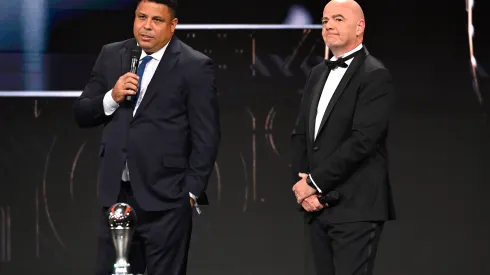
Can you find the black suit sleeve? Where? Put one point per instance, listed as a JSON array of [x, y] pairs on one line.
[[298, 139], [89, 108], [370, 125], [203, 114]]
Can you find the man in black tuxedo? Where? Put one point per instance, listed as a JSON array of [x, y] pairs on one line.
[[158, 150], [339, 146]]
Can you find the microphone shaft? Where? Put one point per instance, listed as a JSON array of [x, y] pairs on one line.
[[133, 69]]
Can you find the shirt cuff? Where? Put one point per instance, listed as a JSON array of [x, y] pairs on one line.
[[317, 188], [110, 105], [193, 196]]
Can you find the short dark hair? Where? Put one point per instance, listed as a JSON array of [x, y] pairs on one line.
[[172, 5]]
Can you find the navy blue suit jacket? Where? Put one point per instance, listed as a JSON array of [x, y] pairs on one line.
[[172, 141]]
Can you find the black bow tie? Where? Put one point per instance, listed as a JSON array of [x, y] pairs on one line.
[[339, 62]]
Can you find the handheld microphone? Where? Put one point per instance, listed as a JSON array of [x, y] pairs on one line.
[[135, 58]]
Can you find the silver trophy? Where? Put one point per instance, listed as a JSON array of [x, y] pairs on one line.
[[122, 222]]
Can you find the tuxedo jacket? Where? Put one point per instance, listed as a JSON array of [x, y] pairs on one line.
[[171, 142], [349, 153]]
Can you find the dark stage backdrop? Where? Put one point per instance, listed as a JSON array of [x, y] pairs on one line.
[[438, 146]]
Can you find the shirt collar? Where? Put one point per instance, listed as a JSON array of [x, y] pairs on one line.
[[156, 55], [348, 53]]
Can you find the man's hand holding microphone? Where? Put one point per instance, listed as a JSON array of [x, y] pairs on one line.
[[126, 86]]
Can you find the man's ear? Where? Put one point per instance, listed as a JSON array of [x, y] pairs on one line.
[[173, 24], [361, 25]]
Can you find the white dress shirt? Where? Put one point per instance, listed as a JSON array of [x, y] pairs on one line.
[[333, 80], [110, 106]]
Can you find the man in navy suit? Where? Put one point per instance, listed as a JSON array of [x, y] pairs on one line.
[[158, 149]]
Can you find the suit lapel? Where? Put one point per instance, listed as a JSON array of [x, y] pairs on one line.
[[315, 97], [125, 55], [356, 63], [159, 79]]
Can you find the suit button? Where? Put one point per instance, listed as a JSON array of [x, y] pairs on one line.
[[315, 148]]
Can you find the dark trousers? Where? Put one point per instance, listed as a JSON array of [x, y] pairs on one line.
[[160, 243], [344, 249]]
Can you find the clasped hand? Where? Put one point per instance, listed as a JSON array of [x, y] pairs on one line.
[[306, 195]]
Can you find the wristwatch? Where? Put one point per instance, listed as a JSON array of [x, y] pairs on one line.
[[310, 182]]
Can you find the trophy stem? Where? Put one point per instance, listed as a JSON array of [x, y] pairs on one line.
[[122, 222], [121, 237]]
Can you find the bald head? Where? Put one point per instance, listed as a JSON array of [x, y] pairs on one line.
[[343, 25], [349, 5]]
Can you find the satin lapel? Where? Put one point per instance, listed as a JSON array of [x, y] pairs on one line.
[[356, 63], [157, 84], [315, 97]]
